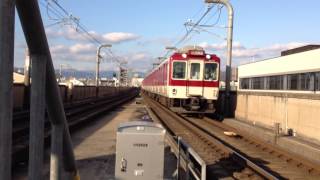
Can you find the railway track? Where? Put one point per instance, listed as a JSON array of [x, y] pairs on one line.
[[283, 164], [235, 157], [77, 114]]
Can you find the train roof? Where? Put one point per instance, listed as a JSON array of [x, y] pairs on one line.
[[186, 49]]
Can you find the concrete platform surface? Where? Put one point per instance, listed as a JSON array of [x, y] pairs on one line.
[[95, 145]]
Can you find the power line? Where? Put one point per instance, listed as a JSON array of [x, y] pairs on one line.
[[76, 21], [56, 3], [189, 31], [192, 28], [219, 9], [52, 10], [212, 33]]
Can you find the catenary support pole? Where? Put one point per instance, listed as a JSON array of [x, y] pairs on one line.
[[229, 50], [60, 73], [98, 61], [7, 18], [37, 116], [97, 71], [33, 28]]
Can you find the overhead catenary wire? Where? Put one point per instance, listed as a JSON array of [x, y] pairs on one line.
[[219, 9], [201, 27], [212, 33], [52, 10], [189, 31], [165, 52], [192, 28], [64, 16], [197, 27]]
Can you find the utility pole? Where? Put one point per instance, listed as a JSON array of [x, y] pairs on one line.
[[98, 58], [60, 70], [60, 73], [229, 50]]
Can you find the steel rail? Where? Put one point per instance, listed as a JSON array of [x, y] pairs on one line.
[[75, 120], [20, 126], [296, 167], [259, 148], [204, 137]]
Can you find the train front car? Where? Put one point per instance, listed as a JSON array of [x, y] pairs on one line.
[[186, 82], [193, 85]]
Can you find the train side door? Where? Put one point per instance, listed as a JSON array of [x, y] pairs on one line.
[[194, 83]]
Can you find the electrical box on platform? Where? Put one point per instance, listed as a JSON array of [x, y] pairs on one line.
[[140, 151]]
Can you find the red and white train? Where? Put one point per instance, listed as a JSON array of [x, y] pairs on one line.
[[186, 82]]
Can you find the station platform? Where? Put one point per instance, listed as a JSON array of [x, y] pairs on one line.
[[95, 145], [292, 144]]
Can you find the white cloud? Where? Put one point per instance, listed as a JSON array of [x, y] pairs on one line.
[[117, 37], [162, 41], [139, 56], [142, 61], [241, 51], [70, 33], [82, 48], [139, 61], [75, 53], [82, 57], [59, 49]]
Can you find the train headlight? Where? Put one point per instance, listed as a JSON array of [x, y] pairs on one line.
[[174, 91], [184, 55], [208, 56]]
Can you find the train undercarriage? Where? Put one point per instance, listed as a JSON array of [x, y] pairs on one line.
[[192, 105]]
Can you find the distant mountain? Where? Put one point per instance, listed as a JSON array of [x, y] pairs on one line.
[[83, 74], [92, 74]]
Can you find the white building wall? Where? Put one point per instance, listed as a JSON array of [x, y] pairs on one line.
[[293, 110], [301, 62]]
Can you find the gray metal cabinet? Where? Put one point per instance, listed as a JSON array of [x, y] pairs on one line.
[[140, 151]]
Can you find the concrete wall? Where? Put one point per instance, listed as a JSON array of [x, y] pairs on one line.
[[297, 111]]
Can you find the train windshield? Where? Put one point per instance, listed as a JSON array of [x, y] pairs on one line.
[[195, 71], [179, 70], [210, 71]]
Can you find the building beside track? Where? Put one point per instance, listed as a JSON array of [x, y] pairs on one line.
[[283, 90]]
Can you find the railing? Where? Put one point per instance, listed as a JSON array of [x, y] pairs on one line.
[[45, 93], [185, 151], [186, 159]]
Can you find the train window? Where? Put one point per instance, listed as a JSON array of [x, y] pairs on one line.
[[195, 71], [210, 71], [244, 83], [179, 70], [293, 81]]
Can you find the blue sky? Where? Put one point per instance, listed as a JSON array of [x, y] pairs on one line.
[[139, 30]]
